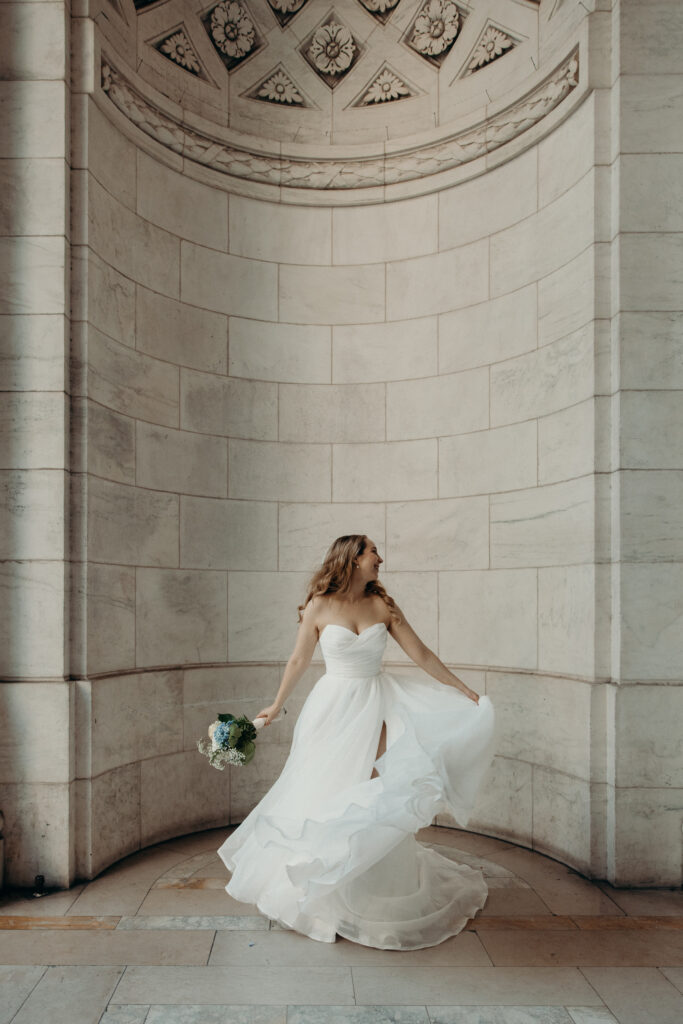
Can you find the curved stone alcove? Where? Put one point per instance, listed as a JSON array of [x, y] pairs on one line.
[[294, 320]]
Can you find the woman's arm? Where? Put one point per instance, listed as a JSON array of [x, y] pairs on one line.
[[299, 660], [406, 637]]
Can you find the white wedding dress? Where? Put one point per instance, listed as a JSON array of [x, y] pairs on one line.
[[329, 851]]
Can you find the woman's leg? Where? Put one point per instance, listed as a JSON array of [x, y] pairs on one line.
[[381, 748]]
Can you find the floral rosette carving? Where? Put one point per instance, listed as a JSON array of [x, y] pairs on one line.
[[387, 86], [492, 44], [279, 88], [332, 48], [435, 28], [287, 6], [379, 6], [232, 30], [178, 48]]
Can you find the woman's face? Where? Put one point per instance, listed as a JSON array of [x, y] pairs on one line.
[[370, 561]]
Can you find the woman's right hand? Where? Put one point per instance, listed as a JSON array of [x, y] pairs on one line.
[[270, 713]]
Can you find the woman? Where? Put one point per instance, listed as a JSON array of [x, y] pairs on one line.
[[331, 849]]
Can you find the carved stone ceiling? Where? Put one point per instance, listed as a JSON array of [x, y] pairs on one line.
[[327, 71]]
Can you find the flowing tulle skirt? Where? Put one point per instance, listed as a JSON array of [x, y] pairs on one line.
[[331, 851]]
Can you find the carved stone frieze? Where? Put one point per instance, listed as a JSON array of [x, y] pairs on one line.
[[413, 163]]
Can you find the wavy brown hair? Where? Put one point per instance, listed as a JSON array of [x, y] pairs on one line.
[[334, 575]]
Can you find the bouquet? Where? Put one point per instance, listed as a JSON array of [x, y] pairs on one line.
[[231, 740]]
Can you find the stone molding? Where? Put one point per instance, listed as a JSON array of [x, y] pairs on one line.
[[252, 162]]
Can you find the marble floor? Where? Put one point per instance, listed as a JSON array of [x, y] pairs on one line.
[[156, 939]]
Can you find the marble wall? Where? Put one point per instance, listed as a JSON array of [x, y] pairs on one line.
[[462, 375]]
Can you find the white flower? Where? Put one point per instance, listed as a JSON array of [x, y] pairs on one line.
[[490, 46], [280, 89], [332, 48], [286, 6], [232, 29], [386, 86], [179, 48], [379, 5], [436, 26]]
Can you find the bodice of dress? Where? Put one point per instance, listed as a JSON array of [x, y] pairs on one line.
[[354, 655]]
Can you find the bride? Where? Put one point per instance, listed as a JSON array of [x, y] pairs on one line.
[[331, 848]]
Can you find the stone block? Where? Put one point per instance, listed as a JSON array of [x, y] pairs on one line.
[[379, 352], [488, 618], [544, 381], [181, 616], [385, 231], [34, 644], [250, 787], [299, 353], [651, 192], [651, 526], [179, 333], [32, 519], [562, 811], [177, 460], [110, 618], [567, 153], [543, 720], [106, 153], [134, 717], [34, 116], [650, 38], [648, 740], [448, 533], [641, 815], [33, 430], [551, 525], [453, 403], [651, 354], [200, 796], [114, 799], [109, 441], [130, 382], [504, 806], [568, 627], [566, 443], [331, 412], [138, 249], [487, 461], [34, 41], [651, 430], [180, 205], [102, 296], [331, 295], [34, 274], [263, 618], [280, 233], [650, 272], [306, 530], [541, 243], [570, 298], [219, 534], [37, 720], [228, 284], [277, 471], [37, 817], [227, 406], [488, 332], [652, 621], [35, 199], [393, 471], [131, 525], [489, 203], [33, 354], [439, 283], [650, 113], [415, 593]]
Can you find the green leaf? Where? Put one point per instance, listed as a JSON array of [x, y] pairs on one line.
[[227, 717], [249, 749]]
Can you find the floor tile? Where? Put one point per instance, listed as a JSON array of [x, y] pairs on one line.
[[564, 891], [499, 1015], [236, 923], [576, 948], [69, 995], [181, 902], [16, 984], [124, 1014], [472, 841], [282, 948], [513, 902], [246, 985], [62, 923], [591, 1015], [478, 986], [620, 924], [122, 888], [217, 1015], [100, 948], [675, 976], [665, 902], [637, 995], [12, 902], [197, 842], [357, 1015], [542, 922]]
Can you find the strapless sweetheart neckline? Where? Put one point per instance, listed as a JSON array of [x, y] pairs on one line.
[[352, 631]]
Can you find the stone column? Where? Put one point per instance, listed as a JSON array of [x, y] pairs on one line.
[[35, 700]]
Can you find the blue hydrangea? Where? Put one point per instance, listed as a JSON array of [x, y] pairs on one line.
[[221, 733]]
